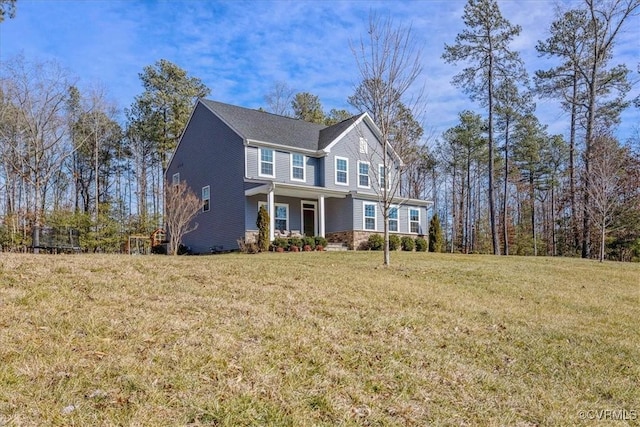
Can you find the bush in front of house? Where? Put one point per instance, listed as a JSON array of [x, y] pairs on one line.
[[320, 243], [421, 244], [309, 241], [375, 242], [407, 243], [295, 241], [280, 242], [394, 242]]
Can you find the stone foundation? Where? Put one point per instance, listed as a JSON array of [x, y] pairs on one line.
[[356, 239]]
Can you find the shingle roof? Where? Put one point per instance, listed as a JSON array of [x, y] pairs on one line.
[[266, 127]]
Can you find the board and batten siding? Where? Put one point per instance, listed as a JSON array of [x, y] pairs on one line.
[[210, 153]]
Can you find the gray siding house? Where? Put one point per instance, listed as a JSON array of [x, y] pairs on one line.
[[313, 179]]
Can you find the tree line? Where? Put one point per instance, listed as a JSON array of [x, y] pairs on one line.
[[500, 182]]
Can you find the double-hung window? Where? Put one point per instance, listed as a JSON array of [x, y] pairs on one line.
[[280, 217], [267, 162], [363, 174], [414, 220], [175, 179], [369, 216], [297, 167], [382, 176], [393, 218], [206, 198], [342, 171]]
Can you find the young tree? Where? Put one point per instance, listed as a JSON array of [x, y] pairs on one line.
[[182, 206], [436, 239], [484, 44], [389, 64], [607, 171], [263, 229]]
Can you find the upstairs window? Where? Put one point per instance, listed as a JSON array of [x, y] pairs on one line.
[[206, 198], [382, 176], [297, 167], [342, 171], [267, 167], [363, 174], [175, 179]]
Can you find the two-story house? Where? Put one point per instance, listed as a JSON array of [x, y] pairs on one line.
[[313, 179]]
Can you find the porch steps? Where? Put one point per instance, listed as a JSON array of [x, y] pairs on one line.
[[336, 247]]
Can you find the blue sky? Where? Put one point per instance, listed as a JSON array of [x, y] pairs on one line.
[[241, 48]]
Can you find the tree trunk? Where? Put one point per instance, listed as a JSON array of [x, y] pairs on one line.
[[492, 207], [506, 183]]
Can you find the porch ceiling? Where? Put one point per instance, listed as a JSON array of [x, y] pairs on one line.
[[293, 190]]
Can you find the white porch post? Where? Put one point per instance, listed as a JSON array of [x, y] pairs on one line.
[[272, 212], [321, 215]]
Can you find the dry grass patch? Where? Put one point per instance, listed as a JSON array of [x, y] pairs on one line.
[[315, 339]]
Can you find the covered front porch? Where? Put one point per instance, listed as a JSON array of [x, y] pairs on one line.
[[293, 209]]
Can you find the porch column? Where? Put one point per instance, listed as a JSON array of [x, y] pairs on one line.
[[321, 215], [271, 206]]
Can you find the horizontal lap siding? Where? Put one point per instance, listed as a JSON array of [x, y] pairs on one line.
[[338, 214], [403, 217], [212, 154], [251, 215], [349, 147], [282, 167]]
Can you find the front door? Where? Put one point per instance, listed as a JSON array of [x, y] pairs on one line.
[[309, 223]]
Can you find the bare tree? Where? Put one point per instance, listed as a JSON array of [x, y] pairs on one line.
[[279, 99], [37, 93], [182, 205], [607, 169], [389, 64]]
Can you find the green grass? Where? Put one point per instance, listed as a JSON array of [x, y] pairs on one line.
[[312, 339]]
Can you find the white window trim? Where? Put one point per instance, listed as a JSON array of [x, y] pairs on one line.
[[175, 179], [364, 146], [335, 175], [304, 167], [261, 203], [273, 162], [203, 199], [410, 222], [364, 216], [397, 219], [368, 174], [381, 176]]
